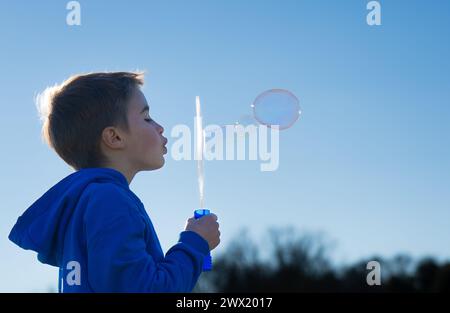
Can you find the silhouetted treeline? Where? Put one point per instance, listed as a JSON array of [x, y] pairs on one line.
[[301, 263]]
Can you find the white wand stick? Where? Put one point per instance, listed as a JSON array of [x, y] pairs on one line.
[[199, 152]]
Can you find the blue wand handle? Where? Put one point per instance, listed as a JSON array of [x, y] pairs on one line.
[[207, 262]]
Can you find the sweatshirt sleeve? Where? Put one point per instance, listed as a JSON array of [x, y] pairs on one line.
[[118, 260]]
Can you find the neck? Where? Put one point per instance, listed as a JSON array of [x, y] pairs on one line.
[[126, 171]]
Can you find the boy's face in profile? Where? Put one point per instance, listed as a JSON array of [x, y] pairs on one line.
[[144, 142]]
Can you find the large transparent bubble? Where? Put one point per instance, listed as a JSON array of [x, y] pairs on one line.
[[276, 107]]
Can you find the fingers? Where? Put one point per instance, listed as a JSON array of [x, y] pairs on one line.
[[213, 216], [217, 242], [207, 227]]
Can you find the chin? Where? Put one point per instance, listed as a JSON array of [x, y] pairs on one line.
[[155, 166]]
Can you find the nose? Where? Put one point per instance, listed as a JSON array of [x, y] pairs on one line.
[[160, 129]]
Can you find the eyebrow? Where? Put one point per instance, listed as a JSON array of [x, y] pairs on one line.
[[146, 108]]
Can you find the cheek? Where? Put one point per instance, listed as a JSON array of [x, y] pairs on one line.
[[149, 138]]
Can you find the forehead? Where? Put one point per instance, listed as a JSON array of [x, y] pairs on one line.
[[137, 102]]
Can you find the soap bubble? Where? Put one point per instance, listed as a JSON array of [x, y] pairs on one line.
[[272, 107], [276, 107]]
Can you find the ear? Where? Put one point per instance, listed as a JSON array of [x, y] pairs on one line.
[[113, 138]]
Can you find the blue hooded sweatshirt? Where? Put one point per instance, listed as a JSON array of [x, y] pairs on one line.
[[96, 230]]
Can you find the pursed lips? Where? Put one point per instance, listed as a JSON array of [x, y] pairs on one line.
[[164, 145]]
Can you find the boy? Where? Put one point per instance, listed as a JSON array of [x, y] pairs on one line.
[[90, 224]]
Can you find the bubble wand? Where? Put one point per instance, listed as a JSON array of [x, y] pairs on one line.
[[207, 263]]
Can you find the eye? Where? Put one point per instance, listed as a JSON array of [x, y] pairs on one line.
[[147, 118]]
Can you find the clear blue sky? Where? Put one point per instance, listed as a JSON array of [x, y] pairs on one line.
[[368, 163]]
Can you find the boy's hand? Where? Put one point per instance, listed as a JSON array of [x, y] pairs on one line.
[[207, 227]]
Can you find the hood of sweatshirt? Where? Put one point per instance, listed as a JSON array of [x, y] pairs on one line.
[[42, 226]]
